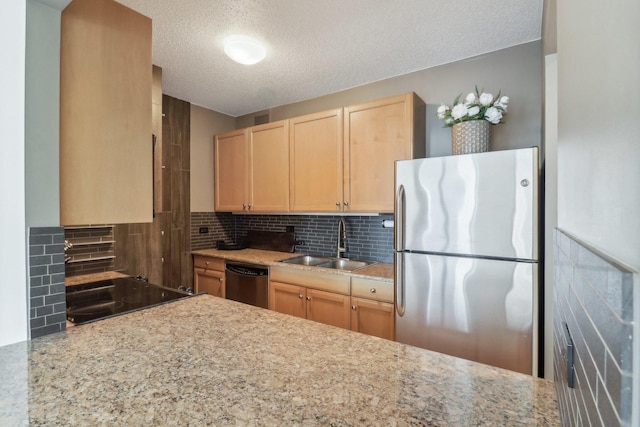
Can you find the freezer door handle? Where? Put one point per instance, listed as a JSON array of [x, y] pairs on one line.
[[399, 279], [399, 219]]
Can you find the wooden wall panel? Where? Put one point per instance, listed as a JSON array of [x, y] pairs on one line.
[[161, 250]]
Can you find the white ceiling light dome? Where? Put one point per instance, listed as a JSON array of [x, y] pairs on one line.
[[244, 49]]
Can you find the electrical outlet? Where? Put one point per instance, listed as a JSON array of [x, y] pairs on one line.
[[203, 230]]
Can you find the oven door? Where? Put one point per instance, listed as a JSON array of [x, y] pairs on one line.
[[248, 284]]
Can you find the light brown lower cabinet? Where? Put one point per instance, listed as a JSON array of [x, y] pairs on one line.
[[288, 299], [320, 306], [372, 308], [373, 318], [209, 276], [209, 281], [328, 308]]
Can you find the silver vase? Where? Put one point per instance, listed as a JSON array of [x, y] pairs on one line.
[[473, 136]]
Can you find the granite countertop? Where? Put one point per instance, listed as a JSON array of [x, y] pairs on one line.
[[377, 271], [93, 277], [211, 361]]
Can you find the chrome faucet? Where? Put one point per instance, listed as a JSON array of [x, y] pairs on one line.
[[342, 235]]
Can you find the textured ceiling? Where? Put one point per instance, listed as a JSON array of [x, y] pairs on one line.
[[317, 47]]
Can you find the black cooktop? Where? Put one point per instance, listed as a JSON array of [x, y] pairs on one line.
[[97, 300]]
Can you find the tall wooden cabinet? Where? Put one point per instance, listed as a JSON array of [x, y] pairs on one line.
[[376, 134], [252, 169], [105, 114]]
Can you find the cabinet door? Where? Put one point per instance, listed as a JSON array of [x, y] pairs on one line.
[[315, 148], [287, 299], [231, 171], [376, 135], [373, 318], [269, 167], [105, 115], [209, 281], [328, 308]]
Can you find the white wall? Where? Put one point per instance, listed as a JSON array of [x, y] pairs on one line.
[[599, 125], [13, 280], [599, 135], [42, 115], [204, 125]]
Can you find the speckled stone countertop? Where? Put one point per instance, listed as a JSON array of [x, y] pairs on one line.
[[380, 271], [211, 361], [93, 277]]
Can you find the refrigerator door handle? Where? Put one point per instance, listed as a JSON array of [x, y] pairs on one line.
[[399, 279], [399, 219]]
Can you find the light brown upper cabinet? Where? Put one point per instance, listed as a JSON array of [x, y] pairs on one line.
[[105, 114], [376, 134], [315, 152], [231, 178], [269, 167], [252, 169]]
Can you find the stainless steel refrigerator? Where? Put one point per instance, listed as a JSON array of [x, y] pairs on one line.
[[466, 256]]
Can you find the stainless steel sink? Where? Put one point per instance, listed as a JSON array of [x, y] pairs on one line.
[[324, 262], [344, 264], [306, 260]]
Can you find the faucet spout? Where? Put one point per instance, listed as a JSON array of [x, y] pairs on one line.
[[342, 236]]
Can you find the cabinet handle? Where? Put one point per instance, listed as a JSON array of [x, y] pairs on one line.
[[337, 203], [249, 207], [308, 298], [372, 290], [353, 307], [300, 296], [244, 206], [220, 279], [206, 263], [346, 203]]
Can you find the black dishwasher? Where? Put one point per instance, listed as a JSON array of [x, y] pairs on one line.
[[248, 284]]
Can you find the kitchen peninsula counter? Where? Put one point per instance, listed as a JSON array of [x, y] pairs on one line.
[[211, 361]]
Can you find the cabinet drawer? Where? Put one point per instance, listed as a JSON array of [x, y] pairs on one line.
[[208, 263], [372, 289], [311, 279]]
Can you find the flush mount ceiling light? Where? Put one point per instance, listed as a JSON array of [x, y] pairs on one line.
[[244, 50]]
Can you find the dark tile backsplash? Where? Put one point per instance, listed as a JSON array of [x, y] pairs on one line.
[[92, 249], [318, 234], [47, 313], [220, 226], [594, 299]]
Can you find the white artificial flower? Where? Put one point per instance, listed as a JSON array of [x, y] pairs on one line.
[[486, 99], [502, 103], [471, 98], [442, 110], [448, 121], [493, 115], [459, 111], [473, 111]]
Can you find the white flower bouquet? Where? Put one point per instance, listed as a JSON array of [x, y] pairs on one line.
[[476, 106]]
